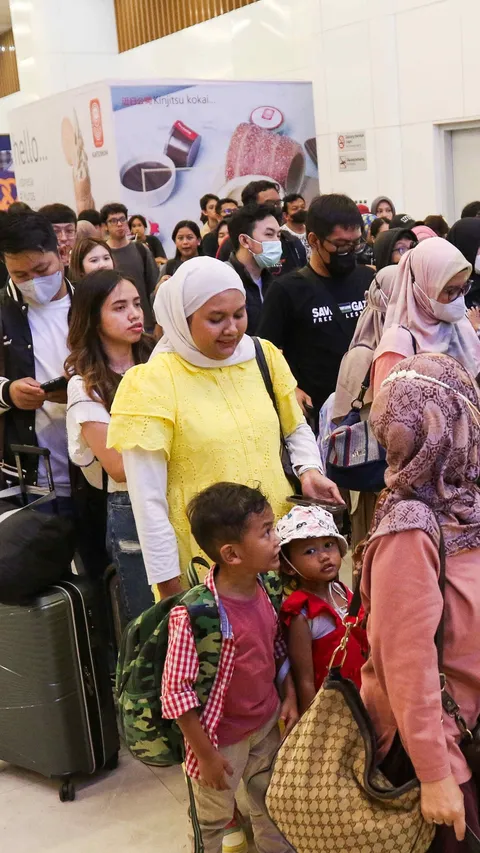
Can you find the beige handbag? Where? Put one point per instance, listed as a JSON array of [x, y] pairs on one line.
[[326, 792]]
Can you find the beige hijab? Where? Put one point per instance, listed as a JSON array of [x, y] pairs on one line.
[[422, 274], [195, 282], [358, 358]]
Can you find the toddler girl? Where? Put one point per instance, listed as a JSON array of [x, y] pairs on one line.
[[311, 556]]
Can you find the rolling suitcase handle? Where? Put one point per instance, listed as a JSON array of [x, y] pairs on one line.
[[22, 489]]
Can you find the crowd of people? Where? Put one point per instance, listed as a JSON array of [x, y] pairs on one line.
[[181, 379]]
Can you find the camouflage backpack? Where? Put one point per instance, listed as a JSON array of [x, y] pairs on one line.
[[147, 734]]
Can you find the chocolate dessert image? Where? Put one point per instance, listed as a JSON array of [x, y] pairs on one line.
[[146, 176]]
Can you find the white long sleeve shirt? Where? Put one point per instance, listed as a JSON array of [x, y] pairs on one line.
[[147, 478]]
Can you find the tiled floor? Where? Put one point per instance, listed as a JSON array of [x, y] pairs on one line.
[[134, 809]]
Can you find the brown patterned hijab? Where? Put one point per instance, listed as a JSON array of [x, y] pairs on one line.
[[427, 416]]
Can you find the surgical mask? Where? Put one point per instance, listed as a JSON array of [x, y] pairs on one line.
[[271, 253], [449, 312], [477, 264], [41, 290], [299, 217]]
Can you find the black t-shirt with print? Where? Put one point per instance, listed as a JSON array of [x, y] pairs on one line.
[[299, 317]]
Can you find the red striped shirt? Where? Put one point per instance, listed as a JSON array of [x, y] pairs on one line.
[[181, 672]]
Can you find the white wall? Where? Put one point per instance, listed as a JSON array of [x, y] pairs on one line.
[[393, 68]]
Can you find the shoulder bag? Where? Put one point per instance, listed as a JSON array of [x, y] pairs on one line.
[[355, 459], [327, 790], [267, 379]]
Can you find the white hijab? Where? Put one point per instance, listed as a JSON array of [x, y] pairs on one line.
[[195, 282]]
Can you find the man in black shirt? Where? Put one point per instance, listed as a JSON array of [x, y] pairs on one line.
[[311, 313]]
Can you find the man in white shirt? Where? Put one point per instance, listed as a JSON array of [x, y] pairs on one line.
[[295, 218]]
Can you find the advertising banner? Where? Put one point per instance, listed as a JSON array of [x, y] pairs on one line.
[[159, 146], [176, 142], [8, 189], [64, 149]]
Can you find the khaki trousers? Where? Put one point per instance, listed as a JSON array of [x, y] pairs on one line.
[[215, 808]]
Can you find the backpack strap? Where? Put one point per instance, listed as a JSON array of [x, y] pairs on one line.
[[143, 254], [192, 574], [414, 343], [207, 632], [272, 584]]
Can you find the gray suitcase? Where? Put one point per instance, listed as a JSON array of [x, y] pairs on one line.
[[57, 715]]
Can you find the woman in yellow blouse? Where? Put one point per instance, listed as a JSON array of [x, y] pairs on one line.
[[199, 413]]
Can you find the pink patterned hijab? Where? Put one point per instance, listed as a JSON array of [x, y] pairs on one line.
[[427, 416]]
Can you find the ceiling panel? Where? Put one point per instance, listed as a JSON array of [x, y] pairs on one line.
[[5, 22]]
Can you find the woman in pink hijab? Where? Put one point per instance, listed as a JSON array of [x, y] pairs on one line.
[[423, 232], [426, 312]]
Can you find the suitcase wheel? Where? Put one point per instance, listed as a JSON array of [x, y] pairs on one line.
[[112, 762], [67, 791]]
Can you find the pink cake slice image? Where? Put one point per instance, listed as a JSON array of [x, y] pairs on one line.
[[256, 151]]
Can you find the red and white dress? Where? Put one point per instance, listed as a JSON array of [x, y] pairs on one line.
[[327, 630]]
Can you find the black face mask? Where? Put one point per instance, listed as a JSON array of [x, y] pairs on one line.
[[300, 217], [340, 265]]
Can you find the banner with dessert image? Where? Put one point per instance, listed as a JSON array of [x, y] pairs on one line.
[[177, 141], [159, 146]]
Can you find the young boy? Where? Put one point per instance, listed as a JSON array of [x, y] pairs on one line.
[[237, 734]]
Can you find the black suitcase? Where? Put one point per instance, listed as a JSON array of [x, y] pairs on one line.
[[57, 715]]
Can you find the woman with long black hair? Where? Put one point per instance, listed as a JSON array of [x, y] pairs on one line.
[[106, 338]]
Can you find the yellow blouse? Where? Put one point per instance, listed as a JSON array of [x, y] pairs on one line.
[[214, 425]]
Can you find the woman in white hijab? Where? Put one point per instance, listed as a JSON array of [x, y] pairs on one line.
[[199, 413]]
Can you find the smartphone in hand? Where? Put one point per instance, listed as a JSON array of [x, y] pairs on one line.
[[58, 384]]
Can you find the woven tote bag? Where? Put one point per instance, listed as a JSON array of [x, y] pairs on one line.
[[327, 793]]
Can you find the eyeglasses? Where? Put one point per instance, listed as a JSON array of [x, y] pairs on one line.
[[453, 293], [117, 220], [400, 250], [66, 230], [346, 247]]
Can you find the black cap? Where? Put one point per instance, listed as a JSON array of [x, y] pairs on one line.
[[402, 220]]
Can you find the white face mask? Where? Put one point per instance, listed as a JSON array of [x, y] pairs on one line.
[[450, 312], [41, 290], [477, 263]]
